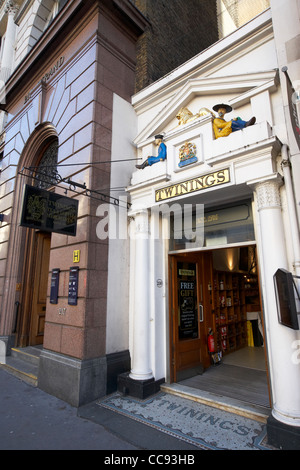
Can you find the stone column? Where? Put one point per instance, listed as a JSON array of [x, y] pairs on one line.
[[10, 36], [140, 382], [281, 340], [141, 317]]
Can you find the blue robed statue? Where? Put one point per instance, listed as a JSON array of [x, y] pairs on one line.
[[162, 153]]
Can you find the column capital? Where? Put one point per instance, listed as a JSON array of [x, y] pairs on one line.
[[267, 191], [141, 221], [11, 7]]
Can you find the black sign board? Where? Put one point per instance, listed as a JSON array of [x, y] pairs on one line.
[[49, 211], [285, 296], [293, 107], [73, 286], [54, 286], [187, 301]]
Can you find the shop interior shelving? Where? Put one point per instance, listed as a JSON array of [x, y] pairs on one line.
[[234, 294]]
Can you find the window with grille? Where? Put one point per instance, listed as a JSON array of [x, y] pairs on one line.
[[46, 174]]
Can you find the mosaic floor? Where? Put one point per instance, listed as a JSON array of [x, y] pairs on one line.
[[200, 425]]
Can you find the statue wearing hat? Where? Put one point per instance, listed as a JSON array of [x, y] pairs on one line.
[[223, 128], [162, 153]]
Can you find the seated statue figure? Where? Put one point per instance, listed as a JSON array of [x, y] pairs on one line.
[[162, 153], [223, 128]]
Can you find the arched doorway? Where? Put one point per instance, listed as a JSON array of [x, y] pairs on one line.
[[37, 244]]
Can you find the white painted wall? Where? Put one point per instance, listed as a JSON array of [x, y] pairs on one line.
[[220, 74], [124, 132]]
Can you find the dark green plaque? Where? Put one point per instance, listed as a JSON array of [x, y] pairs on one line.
[[49, 212]]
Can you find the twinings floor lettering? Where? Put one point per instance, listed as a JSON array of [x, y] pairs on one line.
[[199, 424]]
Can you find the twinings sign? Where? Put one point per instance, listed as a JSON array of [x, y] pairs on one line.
[[196, 184]]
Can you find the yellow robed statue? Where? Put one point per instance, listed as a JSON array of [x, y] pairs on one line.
[[223, 128]]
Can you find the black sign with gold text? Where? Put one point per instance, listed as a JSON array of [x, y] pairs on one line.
[[187, 302], [49, 212]]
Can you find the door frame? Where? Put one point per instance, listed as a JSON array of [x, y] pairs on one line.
[[24, 326], [199, 258], [173, 255]]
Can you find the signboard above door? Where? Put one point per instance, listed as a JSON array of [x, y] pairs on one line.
[[199, 183], [49, 212]]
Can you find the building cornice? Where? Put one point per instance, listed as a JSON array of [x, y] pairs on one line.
[[46, 41], [70, 20]]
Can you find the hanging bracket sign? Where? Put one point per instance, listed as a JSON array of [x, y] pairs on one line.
[[49, 212]]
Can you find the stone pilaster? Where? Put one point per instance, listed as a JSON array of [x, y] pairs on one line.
[[281, 340]]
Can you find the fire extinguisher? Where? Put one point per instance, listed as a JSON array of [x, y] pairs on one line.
[[211, 341]]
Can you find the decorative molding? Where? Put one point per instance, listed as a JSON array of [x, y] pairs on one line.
[[286, 164], [11, 7], [244, 86], [142, 223], [268, 195]]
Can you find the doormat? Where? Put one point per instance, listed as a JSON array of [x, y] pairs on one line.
[[200, 425]]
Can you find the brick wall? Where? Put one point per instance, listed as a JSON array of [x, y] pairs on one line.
[[180, 29]]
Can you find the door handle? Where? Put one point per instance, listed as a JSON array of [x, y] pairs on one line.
[[201, 317]]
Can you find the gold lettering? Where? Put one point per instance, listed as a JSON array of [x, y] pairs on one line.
[[191, 186], [184, 188], [187, 293], [208, 181], [158, 195], [196, 184], [169, 191], [221, 176], [199, 183]]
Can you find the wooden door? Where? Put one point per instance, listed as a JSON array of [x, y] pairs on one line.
[[40, 283], [190, 314]]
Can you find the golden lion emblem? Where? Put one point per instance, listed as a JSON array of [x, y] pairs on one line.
[[185, 116]]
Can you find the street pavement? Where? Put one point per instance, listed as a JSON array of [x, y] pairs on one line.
[[30, 419], [33, 420]]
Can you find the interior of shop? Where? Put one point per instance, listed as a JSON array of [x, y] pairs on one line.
[[238, 363], [236, 299]]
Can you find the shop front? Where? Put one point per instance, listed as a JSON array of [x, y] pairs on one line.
[[215, 302], [200, 242], [200, 260], [211, 224]]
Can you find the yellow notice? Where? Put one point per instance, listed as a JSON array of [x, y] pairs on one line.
[[76, 256]]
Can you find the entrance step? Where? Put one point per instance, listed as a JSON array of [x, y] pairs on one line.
[[248, 410], [24, 364]]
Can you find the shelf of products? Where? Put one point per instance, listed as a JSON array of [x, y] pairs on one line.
[[234, 294]]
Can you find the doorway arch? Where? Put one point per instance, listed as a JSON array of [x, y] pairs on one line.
[[39, 154]]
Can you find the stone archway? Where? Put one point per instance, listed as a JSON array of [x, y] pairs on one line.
[[12, 327]]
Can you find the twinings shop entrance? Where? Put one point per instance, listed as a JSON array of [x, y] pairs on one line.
[[189, 319], [216, 323]]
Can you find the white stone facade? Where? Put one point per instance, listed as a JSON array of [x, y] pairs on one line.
[[244, 70]]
